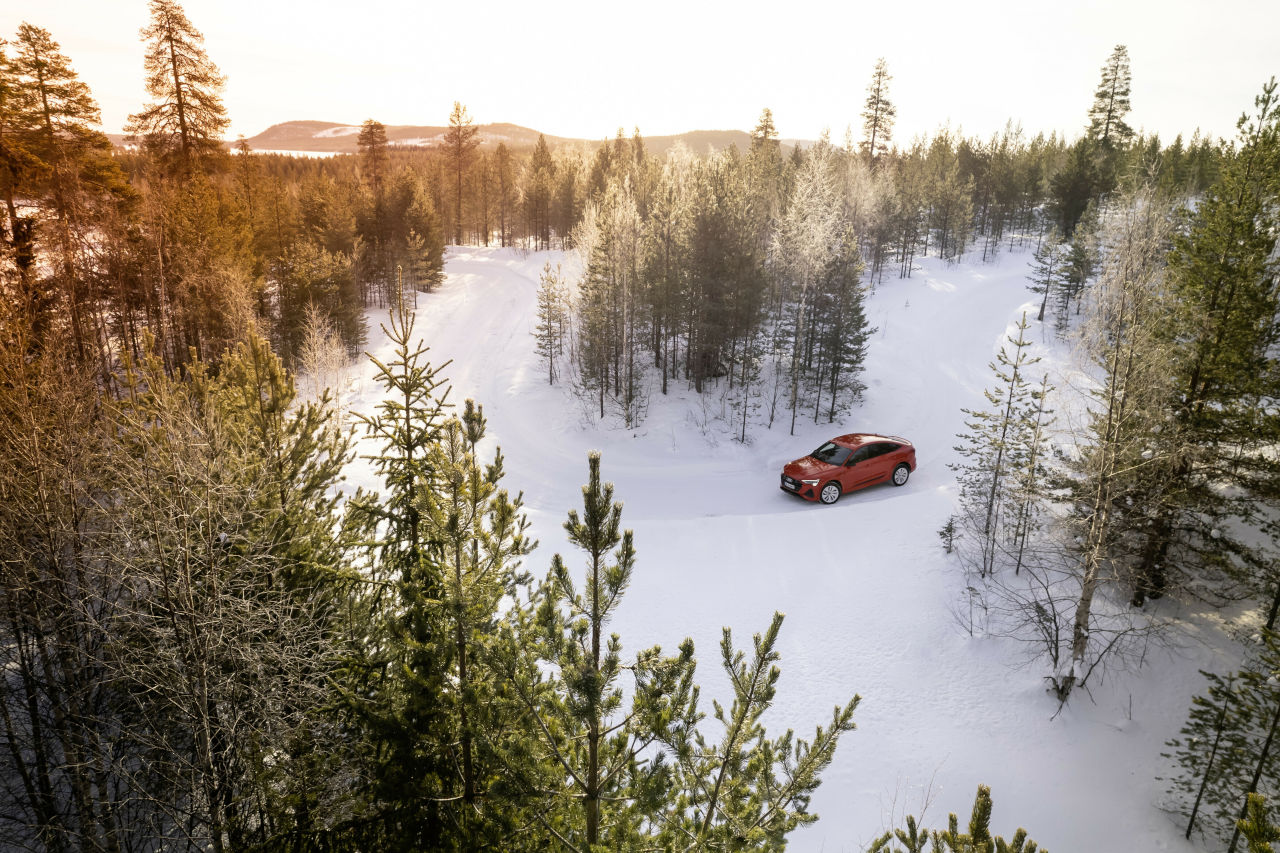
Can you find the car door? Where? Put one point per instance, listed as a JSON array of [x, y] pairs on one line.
[[880, 462], [857, 472]]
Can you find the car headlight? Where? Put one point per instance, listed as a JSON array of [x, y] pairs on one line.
[[810, 482]]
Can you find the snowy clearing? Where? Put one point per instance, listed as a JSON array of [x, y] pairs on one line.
[[868, 593]]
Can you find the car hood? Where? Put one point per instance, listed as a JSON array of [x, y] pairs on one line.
[[807, 468]]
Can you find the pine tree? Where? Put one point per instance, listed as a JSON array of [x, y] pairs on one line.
[[1111, 103], [978, 839], [1222, 277], [878, 113], [505, 176], [1082, 260], [460, 142], [1257, 827], [1209, 751], [1108, 135], [1048, 269], [1073, 186], [747, 791], [1228, 749], [539, 185], [594, 781], [52, 146], [187, 119], [374, 219], [402, 672], [482, 536], [372, 147]]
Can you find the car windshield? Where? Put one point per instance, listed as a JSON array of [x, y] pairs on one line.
[[832, 454]]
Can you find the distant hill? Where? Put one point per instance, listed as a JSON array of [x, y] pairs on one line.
[[332, 137]]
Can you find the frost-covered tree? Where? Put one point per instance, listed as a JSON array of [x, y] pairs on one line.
[[1029, 484], [666, 265], [998, 442], [552, 330], [608, 317], [803, 245], [839, 328], [1122, 337]]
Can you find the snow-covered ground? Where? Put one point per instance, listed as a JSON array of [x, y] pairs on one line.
[[866, 588]]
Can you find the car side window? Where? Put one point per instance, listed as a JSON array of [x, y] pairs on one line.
[[882, 448], [860, 455]]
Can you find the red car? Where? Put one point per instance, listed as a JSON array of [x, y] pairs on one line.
[[849, 462]]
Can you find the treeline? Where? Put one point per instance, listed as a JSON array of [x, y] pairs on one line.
[[178, 241], [1163, 480], [747, 271]]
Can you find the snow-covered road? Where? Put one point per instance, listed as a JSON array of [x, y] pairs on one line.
[[867, 591]]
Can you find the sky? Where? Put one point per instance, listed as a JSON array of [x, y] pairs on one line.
[[584, 69]]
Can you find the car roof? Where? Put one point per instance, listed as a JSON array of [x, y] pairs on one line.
[[857, 439]]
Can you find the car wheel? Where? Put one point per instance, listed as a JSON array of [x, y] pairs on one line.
[[900, 475], [830, 493]]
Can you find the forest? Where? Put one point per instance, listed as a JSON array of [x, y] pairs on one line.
[[206, 645]]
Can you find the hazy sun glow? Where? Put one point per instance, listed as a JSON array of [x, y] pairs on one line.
[[584, 69]]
